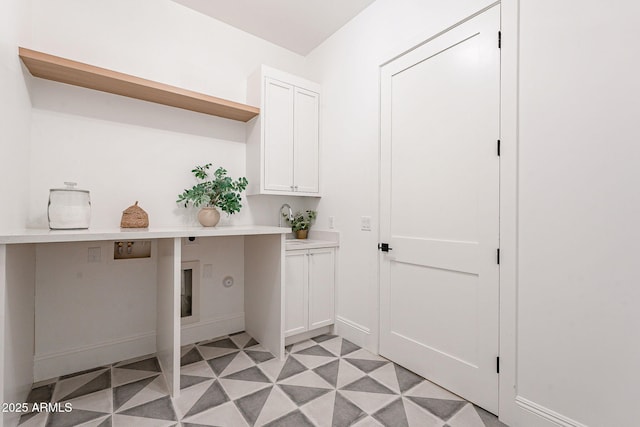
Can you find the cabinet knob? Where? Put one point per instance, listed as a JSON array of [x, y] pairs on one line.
[[295, 187]]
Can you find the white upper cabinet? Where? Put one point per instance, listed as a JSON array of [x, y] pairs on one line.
[[283, 143]]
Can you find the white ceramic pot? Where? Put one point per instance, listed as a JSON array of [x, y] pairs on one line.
[[208, 217]]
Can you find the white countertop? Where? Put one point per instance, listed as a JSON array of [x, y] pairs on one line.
[[301, 244], [51, 236], [317, 239]]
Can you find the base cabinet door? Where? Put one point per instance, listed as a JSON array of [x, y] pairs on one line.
[[309, 290], [321, 287], [296, 292]]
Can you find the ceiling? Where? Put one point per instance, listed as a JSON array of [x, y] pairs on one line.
[[297, 25]]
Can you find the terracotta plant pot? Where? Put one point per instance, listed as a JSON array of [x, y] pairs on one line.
[[301, 234], [208, 217]]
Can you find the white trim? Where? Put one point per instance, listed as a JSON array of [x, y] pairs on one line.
[[55, 364], [76, 359], [509, 411], [303, 336], [356, 333], [196, 303], [290, 79], [422, 39], [212, 327], [352, 324], [3, 292], [547, 413], [513, 409]]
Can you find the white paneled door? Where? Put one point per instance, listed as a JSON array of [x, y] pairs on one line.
[[440, 209]]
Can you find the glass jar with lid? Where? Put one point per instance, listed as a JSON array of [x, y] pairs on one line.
[[69, 208]]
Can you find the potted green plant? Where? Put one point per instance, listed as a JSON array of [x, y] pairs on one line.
[[301, 222], [211, 192]]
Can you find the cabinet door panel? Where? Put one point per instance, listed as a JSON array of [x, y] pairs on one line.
[[296, 298], [278, 136], [306, 141], [321, 287]]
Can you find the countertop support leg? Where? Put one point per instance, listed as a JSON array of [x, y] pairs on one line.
[[17, 325], [263, 291], [168, 311]]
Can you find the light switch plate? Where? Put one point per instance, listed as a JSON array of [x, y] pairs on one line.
[[365, 223]]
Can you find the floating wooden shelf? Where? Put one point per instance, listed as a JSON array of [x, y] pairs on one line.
[[75, 73]]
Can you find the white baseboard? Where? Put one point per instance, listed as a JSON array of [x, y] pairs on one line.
[[77, 359], [303, 336], [547, 414], [354, 332], [212, 328], [86, 357]]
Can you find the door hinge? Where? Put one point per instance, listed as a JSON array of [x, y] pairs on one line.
[[499, 39], [498, 365], [384, 247], [498, 256], [498, 148]]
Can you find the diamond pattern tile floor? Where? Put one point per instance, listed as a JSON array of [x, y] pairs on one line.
[[233, 381]]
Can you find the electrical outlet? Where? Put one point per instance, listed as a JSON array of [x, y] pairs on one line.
[[207, 271], [332, 222], [94, 255], [365, 223], [190, 241]]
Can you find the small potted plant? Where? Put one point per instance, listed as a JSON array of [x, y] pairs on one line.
[[301, 222], [211, 192]]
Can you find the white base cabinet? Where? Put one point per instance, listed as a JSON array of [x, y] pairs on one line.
[[309, 290]]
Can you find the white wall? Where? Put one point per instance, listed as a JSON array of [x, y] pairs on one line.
[[16, 283], [17, 322], [89, 314], [94, 313], [124, 150], [15, 113], [347, 65], [576, 200], [221, 308], [574, 174], [577, 204]]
